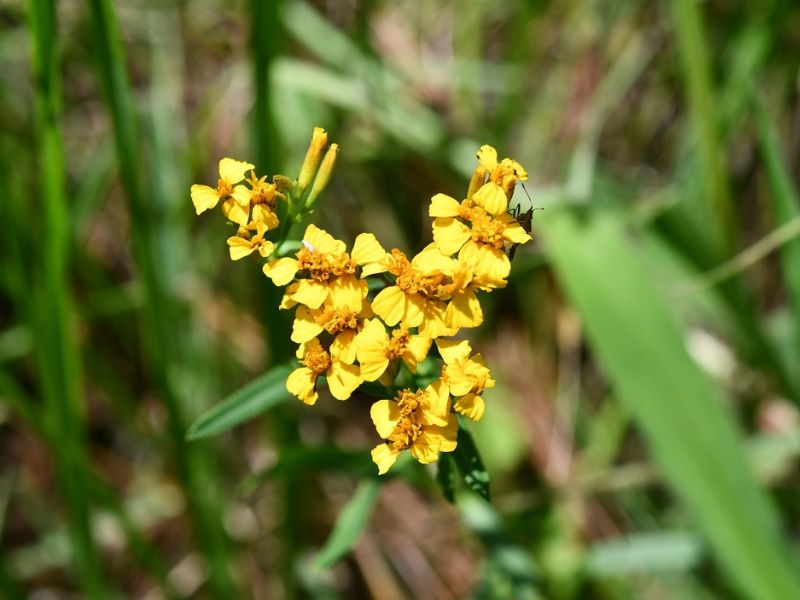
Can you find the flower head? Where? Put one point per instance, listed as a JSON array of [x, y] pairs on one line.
[[418, 421], [465, 377], [235, 198], [376, 349], [343, 378]]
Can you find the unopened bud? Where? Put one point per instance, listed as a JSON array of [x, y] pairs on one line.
[[323, 175], [319, 140], [282, 183]]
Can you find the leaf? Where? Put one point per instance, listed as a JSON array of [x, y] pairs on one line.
[[470, 465], [446, 477], [258, 396], [690, 433], [351, 522]]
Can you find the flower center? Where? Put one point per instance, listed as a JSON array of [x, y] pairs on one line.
[[316, 358], [408, 429], [335, 320], [397, 344], [224, 189], [485, 229]]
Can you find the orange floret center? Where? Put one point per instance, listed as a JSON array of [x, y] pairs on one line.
[[335, 320], [408, 429], [316, 358]]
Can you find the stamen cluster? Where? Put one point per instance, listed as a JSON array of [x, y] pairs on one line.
[[350, 335]]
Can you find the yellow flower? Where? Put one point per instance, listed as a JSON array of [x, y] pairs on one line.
[[342, 321], [324, 270], [319, 139], [414, 298], [479, 237], [235, 198], [420, 421], [376, 350], [343, 378], [465, 377], [503, 176], [243, 244], [263, 198]]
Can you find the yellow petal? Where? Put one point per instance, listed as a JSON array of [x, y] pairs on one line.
[[383, 457], [519, 170], [344, 348], [487, 156], [384, 414], [433, 325], [389, 304], [443, 205], [239, 247], [454, 351], [373, 365], [322, 241], [437, 410], [262, 214], [304, 328], [372, 334], [487, 263], [204, 197], [424, 451], [266, 248], [430, 261], [347, 292], [471, 406], [416, 351], [449, 234], [281, 271], [311, 293], [367, 249], [233, 171], [492, 198], [301, 383], [235, 212], [464, 310], [414, 310], [343, 379], [513, 231], [443, 438], [242, 195]]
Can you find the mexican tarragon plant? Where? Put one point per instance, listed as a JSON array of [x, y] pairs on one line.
[[350, 335]]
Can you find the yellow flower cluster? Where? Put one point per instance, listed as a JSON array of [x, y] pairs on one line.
[[350, 335]]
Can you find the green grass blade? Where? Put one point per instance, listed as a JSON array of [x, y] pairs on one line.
[[57, 350], [163, 329], [446, 477], [350, 524], [696, 70], [785, 204], [258, 396], [691, 436]]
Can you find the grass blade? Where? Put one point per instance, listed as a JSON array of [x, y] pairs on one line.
[[57, 350], [261, 394], [163, 329], [785, 205], [690, 435], [351, 522]]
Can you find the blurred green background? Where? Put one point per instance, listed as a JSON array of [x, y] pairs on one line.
[[643, 440]]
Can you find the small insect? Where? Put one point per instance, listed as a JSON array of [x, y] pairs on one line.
[[525, 219]]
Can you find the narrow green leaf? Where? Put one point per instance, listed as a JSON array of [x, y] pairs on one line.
[[351, 522], [446, 477], [470, 465], [785, 203], [258, 396], [690, 434]]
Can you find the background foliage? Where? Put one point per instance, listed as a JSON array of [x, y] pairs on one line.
[[643, 439]]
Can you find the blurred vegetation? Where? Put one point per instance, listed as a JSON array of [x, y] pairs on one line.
[[643, 439]]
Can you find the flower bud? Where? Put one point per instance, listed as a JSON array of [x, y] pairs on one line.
[[319, 140], [323, 175]]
